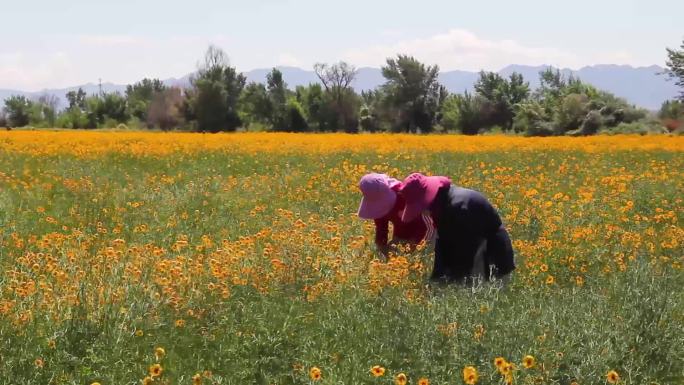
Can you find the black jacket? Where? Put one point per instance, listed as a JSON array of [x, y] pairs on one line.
[[464, 218]]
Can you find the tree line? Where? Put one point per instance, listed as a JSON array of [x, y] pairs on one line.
[[411, 100]]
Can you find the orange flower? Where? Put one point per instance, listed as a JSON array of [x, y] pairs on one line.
[[400, 379], [506, 368], [613, 377], [156, 370], [378, 371], [315, 373], [423, 381], [470, 375], [528, 362], [159, 353], [197, 379]]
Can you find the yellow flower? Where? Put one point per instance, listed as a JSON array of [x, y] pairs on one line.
[[147, 380], [197, 379], [470, 375], [52, 344], [528, 362], [95, 383], [423, 381], [613, 377], [550, 280], [39, 363], [574, 383], [508, 379], [159, 353], [499, 362], [400, 379], [156, 370], [139, 333], [315, 373], [378, 371], [180, 323], [506, 368]]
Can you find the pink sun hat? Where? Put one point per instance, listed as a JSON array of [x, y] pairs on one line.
[[419, 191], [378, 196]]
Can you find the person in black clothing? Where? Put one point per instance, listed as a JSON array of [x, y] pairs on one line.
[[471, 239]]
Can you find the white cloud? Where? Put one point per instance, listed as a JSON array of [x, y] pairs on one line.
[[19, 71], [111, 40], [463, 50], [68, 60], [288, 59]]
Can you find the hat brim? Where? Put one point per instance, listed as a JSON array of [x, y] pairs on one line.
[[378, 208], [413, 209]]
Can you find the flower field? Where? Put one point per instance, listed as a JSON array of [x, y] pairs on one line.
[[129, 258]]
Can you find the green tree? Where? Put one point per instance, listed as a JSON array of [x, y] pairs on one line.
[[672, 115], [376, 112], [313, 100], [216, 91], [76, 99], [254, 105], [18, 109], [467, 113], [113, 107], [672, 109], [295, 117], [48, 105], [165, 110], [675, 67], [591, 123], [531, 119], [573, 107], [570, 112], [450, 113], [140, 95], [342, 104], [414, 93], [503, 95], [278, 98]]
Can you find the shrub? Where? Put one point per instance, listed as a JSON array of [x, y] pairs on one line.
[[652, 126], [591, 123], [367, 120], [540, 128], [570, 113], [295, 118]]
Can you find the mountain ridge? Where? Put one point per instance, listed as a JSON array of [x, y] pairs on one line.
[[643, 86]]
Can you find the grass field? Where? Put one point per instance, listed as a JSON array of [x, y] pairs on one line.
[[242, 258]]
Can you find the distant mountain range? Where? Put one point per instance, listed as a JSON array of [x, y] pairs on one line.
[[645, 87]]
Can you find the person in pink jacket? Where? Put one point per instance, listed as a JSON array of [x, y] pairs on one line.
[[383, 205]]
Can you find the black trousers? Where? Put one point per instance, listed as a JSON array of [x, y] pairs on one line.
[[455, 257]]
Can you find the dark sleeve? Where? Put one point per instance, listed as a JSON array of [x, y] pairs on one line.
[[381, 232], [484, 214]]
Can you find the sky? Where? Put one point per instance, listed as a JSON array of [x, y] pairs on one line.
[[52, 44]]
